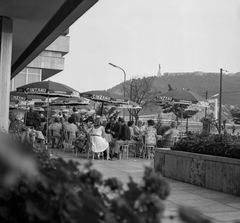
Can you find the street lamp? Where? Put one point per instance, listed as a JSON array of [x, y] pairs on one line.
[[124, 83], [220, 103]]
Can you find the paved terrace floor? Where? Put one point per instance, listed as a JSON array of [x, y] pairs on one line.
[[217, 206]]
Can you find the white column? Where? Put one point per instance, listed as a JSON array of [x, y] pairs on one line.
[[6, 25]]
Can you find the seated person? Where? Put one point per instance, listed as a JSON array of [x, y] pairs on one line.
[[169, 135], [133, 139], [33, 118], [56, 130], [88, 124], [98, 138], [132, 136], [43, 122], [150, 136], [71, 128], [123, 139], [81, 141], [113, 128], [76, 115], [17, 127], [151, 133], [138, 129]]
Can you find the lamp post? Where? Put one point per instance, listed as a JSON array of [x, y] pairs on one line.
[[220, 103], [124, 73], [124, 83], [130, 113]]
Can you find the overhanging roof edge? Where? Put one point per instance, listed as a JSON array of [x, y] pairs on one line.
[[69, 12]]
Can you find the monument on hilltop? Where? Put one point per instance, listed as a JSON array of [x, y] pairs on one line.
[[159, 71]]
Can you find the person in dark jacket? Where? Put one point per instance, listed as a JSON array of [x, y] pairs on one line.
[[123, 138], [113, 128], [33, 118]]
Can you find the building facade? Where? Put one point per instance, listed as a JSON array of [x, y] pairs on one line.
[[46, 64]]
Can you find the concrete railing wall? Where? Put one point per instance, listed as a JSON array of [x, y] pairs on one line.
[[213, 172]]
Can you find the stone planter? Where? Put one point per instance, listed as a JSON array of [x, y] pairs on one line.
[[213, 172]]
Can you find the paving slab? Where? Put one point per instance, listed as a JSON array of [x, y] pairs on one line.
[[214, 205]]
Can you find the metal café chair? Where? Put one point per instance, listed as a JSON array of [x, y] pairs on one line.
[[148, 149], [124, 151], [69, 138], [92, 152], [54, 137], [133, 148]]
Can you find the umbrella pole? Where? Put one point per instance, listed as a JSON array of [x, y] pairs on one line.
[[26, 113], [47, 123], [181, 120], [102, 109]]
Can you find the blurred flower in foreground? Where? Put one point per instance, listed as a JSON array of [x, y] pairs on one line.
[[15, 161]]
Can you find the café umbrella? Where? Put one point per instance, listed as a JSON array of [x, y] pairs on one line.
[[48, 89], [104, 97], [24, 99], [21, 96], [13, 103], [182, 97]]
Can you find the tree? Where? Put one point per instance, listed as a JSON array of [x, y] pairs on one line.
[[180, 111], [235, 112], [208, 122], [141, 91], [176, 109], [188, 114]]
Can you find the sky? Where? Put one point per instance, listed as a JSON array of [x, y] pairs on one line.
[[138, 35]]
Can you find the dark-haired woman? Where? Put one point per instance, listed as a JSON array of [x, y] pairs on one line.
[[133, 138], [151, 133], [72, 128]]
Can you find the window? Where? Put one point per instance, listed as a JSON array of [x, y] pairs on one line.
[[26, 76], [19, 80], [33, 78], [34, 75], [34, 71]]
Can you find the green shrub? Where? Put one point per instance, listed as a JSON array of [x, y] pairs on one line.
[[217, 145]]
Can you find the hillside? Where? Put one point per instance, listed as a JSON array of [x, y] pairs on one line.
[[199, 84]]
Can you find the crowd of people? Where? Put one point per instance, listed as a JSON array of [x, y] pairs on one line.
[[92, 133]]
